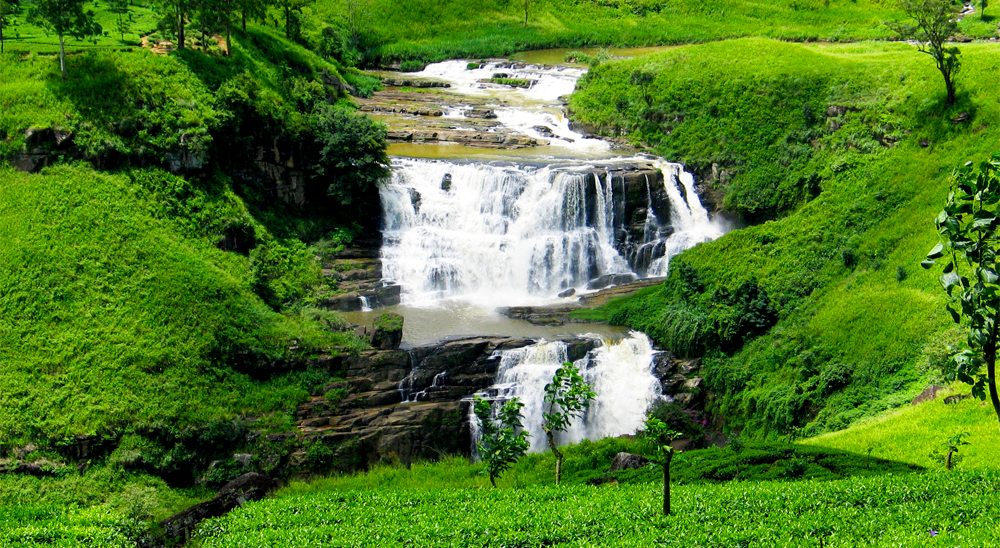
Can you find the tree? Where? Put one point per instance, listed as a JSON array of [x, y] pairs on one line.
[[983, 4], [252, 9], [122, 19], [291, 9], [352, 156], [658, 437], [933, 23], [6, 8], [175, 14], [566, 397], [502, 441], [65, 17], [969, 227], [643, 79]]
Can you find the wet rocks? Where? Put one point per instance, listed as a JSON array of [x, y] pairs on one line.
[[611, 279], [388, 332]]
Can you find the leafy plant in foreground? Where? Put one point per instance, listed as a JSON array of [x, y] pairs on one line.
[[501, 443], [658, 436], [969, 227], [567, 396]]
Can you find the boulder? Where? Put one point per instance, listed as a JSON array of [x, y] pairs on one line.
[[956, 398], [568, 293], [446, 182], [628, 461], [928, 394], [388, 332]]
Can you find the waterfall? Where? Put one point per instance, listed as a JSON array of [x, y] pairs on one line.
[[498, 234], [619, 372]]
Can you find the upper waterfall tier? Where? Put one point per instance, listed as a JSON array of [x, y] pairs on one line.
[[499, 234]]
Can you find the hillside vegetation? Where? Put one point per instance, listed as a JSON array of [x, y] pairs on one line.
[[820, 315], [151, 284]]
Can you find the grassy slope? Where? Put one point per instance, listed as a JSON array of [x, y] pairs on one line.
[[913, 433], [435, 30], [852, 338], [119, 310]]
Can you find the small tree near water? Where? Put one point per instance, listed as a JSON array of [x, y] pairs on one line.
[[932, 23], [658, 437], [969, 227], [502, 441], [566, 397]]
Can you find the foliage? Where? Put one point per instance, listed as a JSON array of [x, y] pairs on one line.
[[566, 397], [65, 17], [969, 225], [502, 441], [351, 155], [658, 438], [878, 511], [846, 344], [933, 25]]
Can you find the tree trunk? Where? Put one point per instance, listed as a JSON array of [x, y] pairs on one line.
[[229, 44], [991, 380], [493, 480], [550, 437], [180, 28], [62, 55], [666, 483], [244, 20], [525, 12], [288, 22], [950, 87], [947, 459], [1, 33]]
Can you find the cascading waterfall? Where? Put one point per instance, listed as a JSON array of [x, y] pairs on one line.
[[620, 373], [498, 234]]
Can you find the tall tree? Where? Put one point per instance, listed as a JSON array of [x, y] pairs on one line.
[[658, 436], [502, 441], [251, 9], [292, 9], [566, 397], [65, 17], [6, 7], [969, 227], [932, 23], [121, 10], [176, 14]]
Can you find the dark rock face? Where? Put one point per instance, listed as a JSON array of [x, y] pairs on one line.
[[246, 488], [405, 404], [628, 461]]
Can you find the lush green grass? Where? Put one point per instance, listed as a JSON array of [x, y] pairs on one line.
[[859, 323], [436, 30], [115, 316], [917, 434], [877, 511], [22, 35]]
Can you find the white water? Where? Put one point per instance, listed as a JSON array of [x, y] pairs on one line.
[[513, 234], [619, 372], [521, 109], [506, 235]]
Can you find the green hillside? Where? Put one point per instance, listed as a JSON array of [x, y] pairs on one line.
[[820, 315]]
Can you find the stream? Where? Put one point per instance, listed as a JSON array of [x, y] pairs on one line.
[[467, 230]]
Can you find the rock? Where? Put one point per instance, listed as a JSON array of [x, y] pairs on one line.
[[924, 143], [414, 199], [928, 394], [664, 364], [483, 113], [544, 131], [246, 488], [446, 182], [610, 279], [568, 293], [388, 332], [628, 461], [956, 398], [962, 117]]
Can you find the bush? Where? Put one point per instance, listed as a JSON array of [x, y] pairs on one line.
[[412, 65]]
